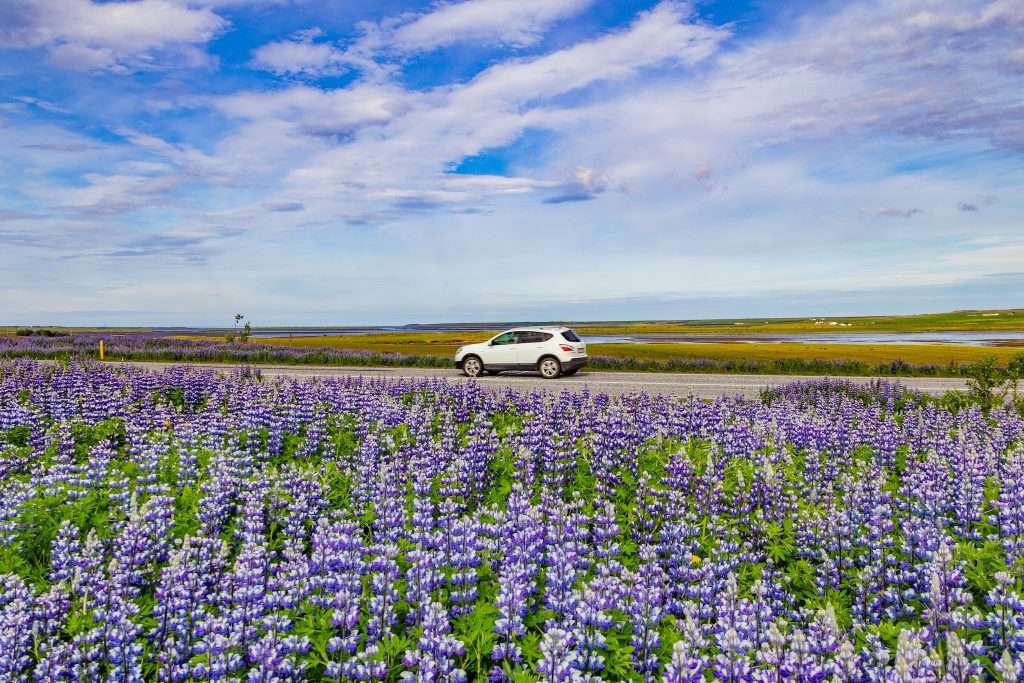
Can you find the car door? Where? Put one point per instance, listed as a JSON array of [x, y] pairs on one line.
[[501, 351], [530, 348]]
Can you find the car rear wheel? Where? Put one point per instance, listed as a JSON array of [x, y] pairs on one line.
[[472, 367], [549, 367]]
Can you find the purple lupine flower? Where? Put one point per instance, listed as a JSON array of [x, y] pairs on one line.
[[801, 661], [823, 637], [947, 598], [772, 655], [557, 662], [336, 574], [119, 635], [645, 606], [589, 623], [957, 666], [225, 639], [423, 579], [1006, 620], [688, 662], [462, 548], [384, 571], [16, 638], [1008, 668], [913, 663], [516, 584], [731, 664], [65, 552], [605, 545], [559, 578], [305, 501], [433, 658], [274, 656], [846, 667], [1010, 508], [186, 585], [366, 665], [736, 613]]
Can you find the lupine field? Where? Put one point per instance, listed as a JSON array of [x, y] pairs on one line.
[[186, 526]]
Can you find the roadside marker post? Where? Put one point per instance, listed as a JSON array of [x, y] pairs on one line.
[[101, 349]]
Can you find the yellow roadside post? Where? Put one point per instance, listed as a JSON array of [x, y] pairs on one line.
[[101, 349]]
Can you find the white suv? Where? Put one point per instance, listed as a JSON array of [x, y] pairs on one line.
[[552, 351]]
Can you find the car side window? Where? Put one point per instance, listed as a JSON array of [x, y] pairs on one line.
[[503, 339], [546, 337], [530, 337]]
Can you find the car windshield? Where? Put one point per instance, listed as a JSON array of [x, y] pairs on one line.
[[569, 335]]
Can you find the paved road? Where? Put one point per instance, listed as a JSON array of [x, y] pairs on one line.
[[615, 383]]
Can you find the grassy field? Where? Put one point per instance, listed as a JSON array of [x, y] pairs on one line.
[[957, 321], [444, 344], [415, 343]]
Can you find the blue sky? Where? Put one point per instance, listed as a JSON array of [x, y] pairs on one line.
[[334, 162]]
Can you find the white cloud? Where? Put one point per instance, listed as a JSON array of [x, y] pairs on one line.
[[114, 194], [342, 109], [516, 23], [115, 35], [403, 141], [868, 69], [189, 160], [513, 23], [300, 55], [663, 36]]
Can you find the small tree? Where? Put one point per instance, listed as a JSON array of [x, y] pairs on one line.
[[985, 383], [242, 334], [1015, 373], [246, 331]]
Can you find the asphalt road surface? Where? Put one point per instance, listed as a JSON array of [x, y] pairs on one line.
[[614, 383]]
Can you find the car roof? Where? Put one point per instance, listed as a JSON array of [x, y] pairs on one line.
[[543, 328]]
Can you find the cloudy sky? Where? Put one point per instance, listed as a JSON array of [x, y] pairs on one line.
[[357, 161]]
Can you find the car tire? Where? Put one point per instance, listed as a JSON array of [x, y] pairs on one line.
[[549, 367], [472, 366]]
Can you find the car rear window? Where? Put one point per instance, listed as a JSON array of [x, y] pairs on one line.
[[569, 335]]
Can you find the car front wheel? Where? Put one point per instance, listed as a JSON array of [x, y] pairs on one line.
[[472, 366], [549, 367]]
